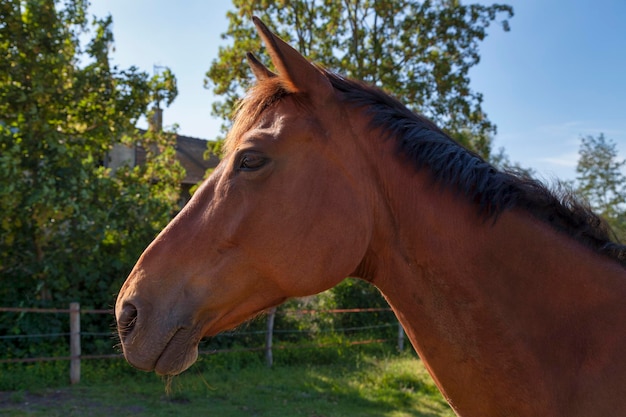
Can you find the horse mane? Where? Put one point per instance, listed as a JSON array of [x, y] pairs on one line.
[[465, 172], [450, 164]]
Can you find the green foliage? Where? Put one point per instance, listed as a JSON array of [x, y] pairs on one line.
[[22, 376], [71, 228], [602, 182], [356, 293], [418, 51]]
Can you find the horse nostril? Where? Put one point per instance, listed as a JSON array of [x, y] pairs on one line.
[[127, 320]]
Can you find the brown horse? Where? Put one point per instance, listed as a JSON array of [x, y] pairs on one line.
[[513, 296]]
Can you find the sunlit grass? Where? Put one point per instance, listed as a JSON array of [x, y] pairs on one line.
[[356, 384]]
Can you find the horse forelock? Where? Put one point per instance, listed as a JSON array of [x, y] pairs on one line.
[[261, 96]]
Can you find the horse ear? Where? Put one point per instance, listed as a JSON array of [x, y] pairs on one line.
[[260, 71], [300, 75]]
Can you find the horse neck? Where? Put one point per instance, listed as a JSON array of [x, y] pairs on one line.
[[510, 317]]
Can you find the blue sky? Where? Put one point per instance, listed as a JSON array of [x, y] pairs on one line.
[[559, 74]]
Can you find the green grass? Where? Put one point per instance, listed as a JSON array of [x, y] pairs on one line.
[[355, 384]]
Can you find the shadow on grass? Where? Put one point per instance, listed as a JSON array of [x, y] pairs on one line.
[[358, 386]]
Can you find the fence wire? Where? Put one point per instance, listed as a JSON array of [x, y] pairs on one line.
[[232, 334]]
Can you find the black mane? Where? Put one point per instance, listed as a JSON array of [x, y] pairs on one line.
[[455, 167]]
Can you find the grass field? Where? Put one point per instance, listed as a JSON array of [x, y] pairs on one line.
[[359, 384]]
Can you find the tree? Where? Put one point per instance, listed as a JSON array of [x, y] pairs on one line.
[[418, 51], [71, 228], [502, 161], [601, 180]]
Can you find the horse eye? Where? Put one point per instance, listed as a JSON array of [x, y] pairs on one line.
[[251, 162]]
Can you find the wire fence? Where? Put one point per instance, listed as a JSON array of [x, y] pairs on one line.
[[75, 335]]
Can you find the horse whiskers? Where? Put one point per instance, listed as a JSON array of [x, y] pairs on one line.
[[168, 384]]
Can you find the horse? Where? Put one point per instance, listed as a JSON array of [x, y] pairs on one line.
[[512, 293]]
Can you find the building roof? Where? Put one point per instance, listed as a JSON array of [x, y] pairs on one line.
[[190, 153]]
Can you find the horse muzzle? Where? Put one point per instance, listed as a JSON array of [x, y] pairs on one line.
[[152, 342]]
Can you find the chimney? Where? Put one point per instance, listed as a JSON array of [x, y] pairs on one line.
[[156, 121]]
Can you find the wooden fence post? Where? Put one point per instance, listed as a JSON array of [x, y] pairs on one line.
[[400, 337], [74, 343], [269, 360]]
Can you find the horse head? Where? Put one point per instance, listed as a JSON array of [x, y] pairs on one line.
[[285, 214]]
